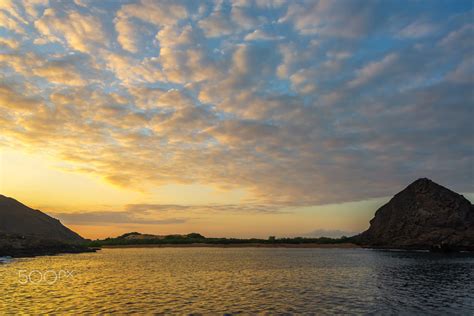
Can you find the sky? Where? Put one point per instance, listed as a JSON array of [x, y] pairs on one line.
[[232, 118]]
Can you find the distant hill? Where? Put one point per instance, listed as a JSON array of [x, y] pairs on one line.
[[139, 236], [17, 218], [330, 233], [425, 215]]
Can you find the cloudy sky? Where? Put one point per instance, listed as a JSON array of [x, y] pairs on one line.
[[231, 118]]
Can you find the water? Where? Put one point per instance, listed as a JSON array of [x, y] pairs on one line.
[[5, 259], [234, 280]]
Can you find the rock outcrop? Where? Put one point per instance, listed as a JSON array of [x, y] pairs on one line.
[[424, 215], [18, 219], [14, 245]]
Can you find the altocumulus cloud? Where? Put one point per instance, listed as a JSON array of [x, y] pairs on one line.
[[160, 214], [299, 103], [113, 217]]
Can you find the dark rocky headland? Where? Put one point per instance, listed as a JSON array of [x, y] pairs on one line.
[[425, 216], [25, 232]]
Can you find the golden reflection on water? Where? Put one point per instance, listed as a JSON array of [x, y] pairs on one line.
[[233, 280]]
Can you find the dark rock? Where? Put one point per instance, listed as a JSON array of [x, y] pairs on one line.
[[25, 232], [424, 215], [13, 245], [17, 218]]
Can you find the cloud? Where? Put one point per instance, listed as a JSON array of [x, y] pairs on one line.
[[11, 17], [296, 103], [157, 13], [81, 32], [9, 42], [459, 38], [132, 71], [128, 34], [245, 19], [33, 7], [417, 29], [159, 214], [206, 209], [372, 70], [182, 57], [112, 217], [221, 22], [216, 25], [12, 99], [340, 19], [262, 36], [464, 72], [69, 70], [61, 71]]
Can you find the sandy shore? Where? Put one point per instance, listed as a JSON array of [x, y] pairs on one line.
[[249, 245]]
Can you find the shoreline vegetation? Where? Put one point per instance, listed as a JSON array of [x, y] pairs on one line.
[[23, 246], [136, 239], [249, 245]]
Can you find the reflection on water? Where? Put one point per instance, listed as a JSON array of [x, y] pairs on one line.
[[233, 280]]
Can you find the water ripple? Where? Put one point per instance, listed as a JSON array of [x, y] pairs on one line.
[[245, 280]]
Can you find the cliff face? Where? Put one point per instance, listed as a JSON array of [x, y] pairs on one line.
[[18, 219], [424, 215]]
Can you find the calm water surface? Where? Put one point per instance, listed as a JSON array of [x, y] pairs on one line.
[[239, 280]]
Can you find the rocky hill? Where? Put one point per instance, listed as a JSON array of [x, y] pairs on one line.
[[425, 215], [18, 219]]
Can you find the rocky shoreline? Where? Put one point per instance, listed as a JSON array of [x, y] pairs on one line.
[[20, 246]]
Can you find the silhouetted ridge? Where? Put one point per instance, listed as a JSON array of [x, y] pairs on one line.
[[17, 218], [425, 215]]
